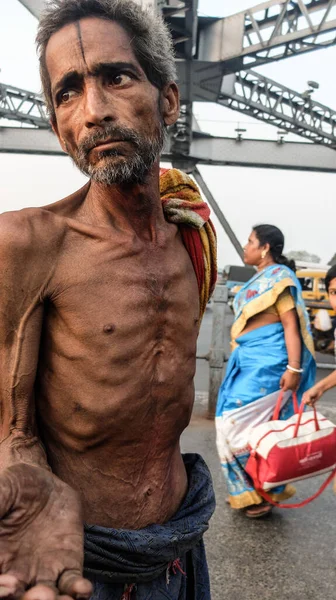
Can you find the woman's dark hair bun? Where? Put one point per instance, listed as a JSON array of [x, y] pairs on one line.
[[288, 262]]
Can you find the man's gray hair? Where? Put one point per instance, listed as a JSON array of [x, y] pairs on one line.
[[150, 37]]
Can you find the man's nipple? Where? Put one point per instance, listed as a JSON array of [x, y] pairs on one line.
[[109, 328]]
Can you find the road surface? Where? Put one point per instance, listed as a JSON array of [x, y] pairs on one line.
[[288, 555]]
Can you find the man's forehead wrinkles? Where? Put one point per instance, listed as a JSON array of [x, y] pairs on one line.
[[80, 40]]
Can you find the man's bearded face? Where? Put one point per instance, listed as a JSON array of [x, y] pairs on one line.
[[125, 158], [108, 116]]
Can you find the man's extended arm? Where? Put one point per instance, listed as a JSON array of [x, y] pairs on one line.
[[23, 274], [41, 530]]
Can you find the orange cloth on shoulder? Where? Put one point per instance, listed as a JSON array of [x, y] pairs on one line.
[[183, 205]]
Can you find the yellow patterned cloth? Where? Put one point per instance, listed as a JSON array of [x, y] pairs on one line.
[[283, 304], [263, 291], [183, 205]]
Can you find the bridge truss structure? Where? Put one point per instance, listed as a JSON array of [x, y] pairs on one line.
[[216, 60]]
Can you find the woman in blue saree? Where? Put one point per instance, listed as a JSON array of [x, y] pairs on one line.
[[272, 350]]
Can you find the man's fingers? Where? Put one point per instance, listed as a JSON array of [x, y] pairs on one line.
[[77, 587], [10, 587], [41, 591], [5, 592], [71, 583]]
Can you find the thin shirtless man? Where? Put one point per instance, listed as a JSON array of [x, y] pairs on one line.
[[99, 320]]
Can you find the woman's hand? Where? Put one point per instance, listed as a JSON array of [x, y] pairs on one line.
[[311, 396], [290, 381]]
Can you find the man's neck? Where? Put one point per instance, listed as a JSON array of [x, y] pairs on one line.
[[130, 207]]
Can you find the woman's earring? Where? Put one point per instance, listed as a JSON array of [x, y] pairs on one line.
[[263, 254]]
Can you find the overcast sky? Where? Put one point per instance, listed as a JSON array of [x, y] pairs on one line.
[[301, 204]]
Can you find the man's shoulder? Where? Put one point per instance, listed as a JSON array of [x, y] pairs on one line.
[[19, 228], [38, 227], [29, 237]]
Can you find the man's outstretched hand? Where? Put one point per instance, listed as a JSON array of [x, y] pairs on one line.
[[41, 537]]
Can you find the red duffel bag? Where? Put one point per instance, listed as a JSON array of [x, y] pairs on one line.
[[285, 451]]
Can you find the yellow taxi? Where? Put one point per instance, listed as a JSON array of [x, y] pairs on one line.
[[314, 291]]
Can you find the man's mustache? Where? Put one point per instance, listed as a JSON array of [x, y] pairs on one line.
[[110, 133]]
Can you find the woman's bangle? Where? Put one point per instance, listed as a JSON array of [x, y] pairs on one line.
[[293, 369]]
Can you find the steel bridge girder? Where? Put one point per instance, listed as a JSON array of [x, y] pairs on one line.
[[205, 150], [264, 99], [21, 105], [267, 32]]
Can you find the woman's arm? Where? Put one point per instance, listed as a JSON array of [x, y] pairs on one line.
[[311, 396], [291, 380]]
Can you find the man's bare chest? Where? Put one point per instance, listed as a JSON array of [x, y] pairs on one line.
[[120, 327], [105, 292]]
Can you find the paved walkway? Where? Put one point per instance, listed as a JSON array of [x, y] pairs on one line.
[[288, 555]]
